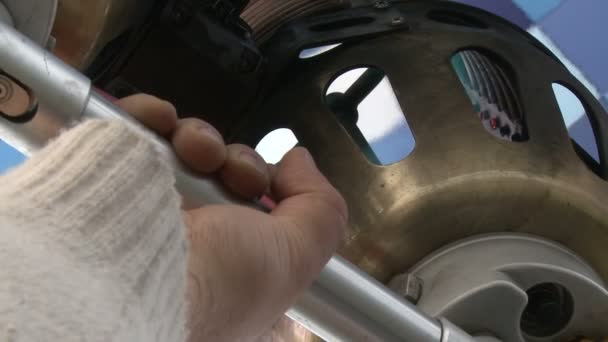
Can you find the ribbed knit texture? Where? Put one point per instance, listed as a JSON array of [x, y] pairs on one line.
[[92, 242]]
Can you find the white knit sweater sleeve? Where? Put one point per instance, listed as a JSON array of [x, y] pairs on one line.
[[92, 242]]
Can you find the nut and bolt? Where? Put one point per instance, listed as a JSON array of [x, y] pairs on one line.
[[408, 286]]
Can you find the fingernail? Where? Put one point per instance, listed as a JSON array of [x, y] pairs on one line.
[[212, 133], [309, 157], [248, 158]]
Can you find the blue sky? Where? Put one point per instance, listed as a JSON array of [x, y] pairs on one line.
[[9, 157]]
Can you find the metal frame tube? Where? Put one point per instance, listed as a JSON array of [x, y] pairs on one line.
[[343, 303], [346, 304]]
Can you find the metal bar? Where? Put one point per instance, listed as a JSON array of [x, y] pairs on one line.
[[343, 303], [363, 86], [346, 304]]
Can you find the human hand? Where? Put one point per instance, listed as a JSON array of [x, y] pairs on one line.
[[247, 267]]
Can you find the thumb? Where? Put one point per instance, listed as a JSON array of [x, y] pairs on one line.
[[317, 211]]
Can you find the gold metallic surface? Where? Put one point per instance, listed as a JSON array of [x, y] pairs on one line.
[[82, 28], [460, 181]]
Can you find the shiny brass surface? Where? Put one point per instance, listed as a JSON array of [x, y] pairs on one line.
[[83, 28], [459, 181]]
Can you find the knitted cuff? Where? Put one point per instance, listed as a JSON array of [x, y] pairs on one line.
[[102, 196]]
